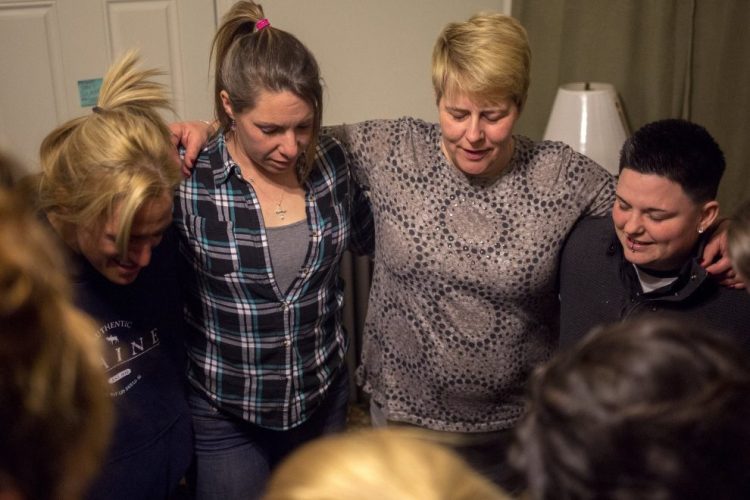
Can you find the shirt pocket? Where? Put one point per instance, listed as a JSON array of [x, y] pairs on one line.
[[213, 244]]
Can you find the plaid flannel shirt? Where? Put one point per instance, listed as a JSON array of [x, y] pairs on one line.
[[263, 355]]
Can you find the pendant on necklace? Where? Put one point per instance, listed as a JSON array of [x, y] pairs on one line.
[[280, 212]]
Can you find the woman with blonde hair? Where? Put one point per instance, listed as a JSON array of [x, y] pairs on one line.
[[107, 184], [378, 464], [55, 415]]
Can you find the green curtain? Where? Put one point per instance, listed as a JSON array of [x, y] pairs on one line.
[[667, 59]]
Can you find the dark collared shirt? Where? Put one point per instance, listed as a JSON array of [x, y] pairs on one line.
[[260, 353]]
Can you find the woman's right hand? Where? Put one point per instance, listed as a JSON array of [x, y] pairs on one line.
[[193, 135]]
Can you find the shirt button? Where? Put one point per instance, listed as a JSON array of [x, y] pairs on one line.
[[287, 343], [285, 306]]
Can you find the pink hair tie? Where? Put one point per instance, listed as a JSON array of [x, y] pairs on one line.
[[262, 24]]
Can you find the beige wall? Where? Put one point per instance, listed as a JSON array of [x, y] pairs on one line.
[[374, 54]]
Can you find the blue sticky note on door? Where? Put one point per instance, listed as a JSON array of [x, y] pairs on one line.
[[88, 91]]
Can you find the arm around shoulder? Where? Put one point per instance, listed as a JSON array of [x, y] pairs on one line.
[[594, 183]]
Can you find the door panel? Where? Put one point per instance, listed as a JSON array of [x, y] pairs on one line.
[[48, 47], [32, 91], [153, 28]]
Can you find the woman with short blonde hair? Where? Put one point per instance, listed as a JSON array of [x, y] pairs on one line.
[[487, 57]]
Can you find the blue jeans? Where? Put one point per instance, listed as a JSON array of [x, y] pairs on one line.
[[234, 458]]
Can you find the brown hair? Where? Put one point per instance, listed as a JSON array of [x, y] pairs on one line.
[[249, 61], [649, 409]]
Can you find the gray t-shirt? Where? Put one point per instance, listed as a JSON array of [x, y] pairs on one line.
[[285, 244], [463, 302]]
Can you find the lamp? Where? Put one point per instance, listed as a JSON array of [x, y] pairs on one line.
[[588, 117]]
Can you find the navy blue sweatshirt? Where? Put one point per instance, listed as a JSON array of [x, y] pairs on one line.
[[140, 326]]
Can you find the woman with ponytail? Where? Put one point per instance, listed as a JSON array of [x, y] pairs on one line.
[[264, 220], [106, 188]]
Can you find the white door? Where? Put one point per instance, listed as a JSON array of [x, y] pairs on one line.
[[53, 53], [374, 55]]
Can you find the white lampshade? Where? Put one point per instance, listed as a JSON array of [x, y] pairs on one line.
[[588, 117]]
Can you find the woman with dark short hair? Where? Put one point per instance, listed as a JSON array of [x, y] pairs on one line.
[[647, 255]]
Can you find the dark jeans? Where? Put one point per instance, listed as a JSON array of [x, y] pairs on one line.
[[234, 458]]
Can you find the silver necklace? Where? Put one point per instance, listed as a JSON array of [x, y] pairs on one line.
[[280, 211]]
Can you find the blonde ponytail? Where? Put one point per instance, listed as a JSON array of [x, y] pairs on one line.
[[119, 155]]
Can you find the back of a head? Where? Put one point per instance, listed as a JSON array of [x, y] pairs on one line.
[[119, 154], [250, 57], [649, 409], [738, 239], [377, 464], [487, 57], [55, 413], [681, 151]]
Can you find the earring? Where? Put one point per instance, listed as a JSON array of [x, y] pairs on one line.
[[700, 230], [233, 125]]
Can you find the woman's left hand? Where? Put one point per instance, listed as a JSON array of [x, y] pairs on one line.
[[715, 259], [193, 136]]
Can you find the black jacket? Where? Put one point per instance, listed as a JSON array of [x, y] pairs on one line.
[[597, 286]]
